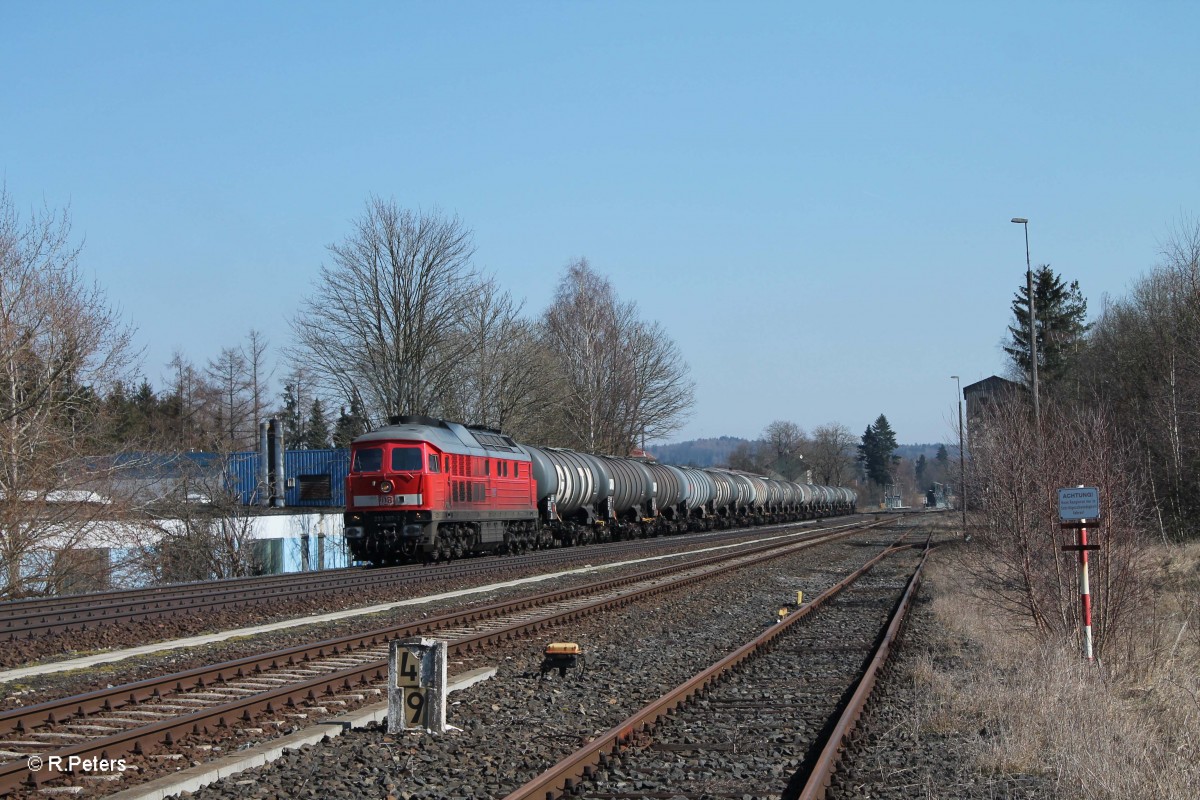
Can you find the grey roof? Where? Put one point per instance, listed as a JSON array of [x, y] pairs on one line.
[[449, 437]]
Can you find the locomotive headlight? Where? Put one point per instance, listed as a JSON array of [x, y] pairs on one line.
[[385, 487]]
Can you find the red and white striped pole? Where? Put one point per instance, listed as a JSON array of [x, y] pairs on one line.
[[1085, 595]]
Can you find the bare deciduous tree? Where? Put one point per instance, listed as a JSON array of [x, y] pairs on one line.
[[786, 439], [188, 406], [747, 457], [255, 353], [199, 531], [60, 343], [658, 394], [1014, 474], [786, 443], [500, 378], [621, 380], [831, 454], [1142, 365], [229, 374], [381, 324]]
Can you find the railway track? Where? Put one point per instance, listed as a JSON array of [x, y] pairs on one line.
[[33, 618], [775, 713], [196, 706]]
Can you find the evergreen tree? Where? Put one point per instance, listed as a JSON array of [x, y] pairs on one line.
[[350, 423], [293, 422], [121, 415], [145, 400], [1060, 323], [867, 446], [316, 434], [919, 469], [876, 451]]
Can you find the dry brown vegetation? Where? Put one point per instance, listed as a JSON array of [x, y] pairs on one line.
[[1127, 726]]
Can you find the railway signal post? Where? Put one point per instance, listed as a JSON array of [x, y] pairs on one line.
[[1079, 509]]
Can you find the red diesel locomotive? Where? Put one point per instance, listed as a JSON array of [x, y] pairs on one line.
[[427, 488]]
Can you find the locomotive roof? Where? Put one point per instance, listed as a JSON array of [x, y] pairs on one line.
[[449, 437]]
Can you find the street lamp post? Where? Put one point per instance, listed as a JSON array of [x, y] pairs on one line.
[[1033, 360], [962, 463]]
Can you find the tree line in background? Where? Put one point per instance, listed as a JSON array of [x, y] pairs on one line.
[[832, 456], [1137, 363], [399, 322], [826, 456]]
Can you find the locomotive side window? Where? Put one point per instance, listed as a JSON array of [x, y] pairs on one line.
[[406, 459], [433, 463], [369, 459], [487, 467]]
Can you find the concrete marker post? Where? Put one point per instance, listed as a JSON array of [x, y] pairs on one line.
[[417, 685]]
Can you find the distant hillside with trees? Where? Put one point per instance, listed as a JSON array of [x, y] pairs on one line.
[[914, 451], [698, 452]]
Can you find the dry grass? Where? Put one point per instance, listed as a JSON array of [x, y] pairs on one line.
[[1128, 727]]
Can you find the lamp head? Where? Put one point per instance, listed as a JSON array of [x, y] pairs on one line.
[[1020, 220]]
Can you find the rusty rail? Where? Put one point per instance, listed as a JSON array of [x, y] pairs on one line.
[[826, 764], [31, 618], [560, 779]]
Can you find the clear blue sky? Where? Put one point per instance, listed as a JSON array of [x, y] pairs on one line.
[[813, 199]]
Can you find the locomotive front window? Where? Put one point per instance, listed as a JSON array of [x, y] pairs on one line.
[[368, 459], [406, 459]]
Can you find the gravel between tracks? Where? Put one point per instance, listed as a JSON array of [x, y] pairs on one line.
[[70, 644], [517, 724]]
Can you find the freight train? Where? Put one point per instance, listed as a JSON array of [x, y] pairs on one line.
[[427, 489]]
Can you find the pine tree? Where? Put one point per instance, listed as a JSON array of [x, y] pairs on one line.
[[1060, 322], [350, 424], [875, 452], [293, 423], [316, 434]]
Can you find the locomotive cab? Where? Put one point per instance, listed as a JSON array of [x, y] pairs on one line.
[[393, 486], [393, 474]]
